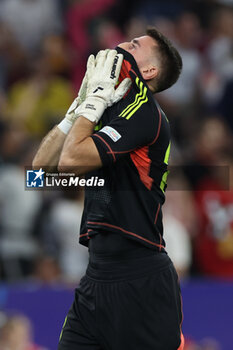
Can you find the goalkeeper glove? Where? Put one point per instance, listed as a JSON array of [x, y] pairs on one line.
[[103, 74]]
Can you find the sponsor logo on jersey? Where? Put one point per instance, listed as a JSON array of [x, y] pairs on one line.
[[112, 133]]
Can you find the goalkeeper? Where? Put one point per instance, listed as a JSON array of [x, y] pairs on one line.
[[129, 298]]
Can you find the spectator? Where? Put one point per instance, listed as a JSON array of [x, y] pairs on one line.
[[178, 245], [18, 207], [105, 34], [225, 105], [210, 176], [16, 334], [220, 48], [79, 18], [65, 219], [47, 270], [214, 243], [219, 57], [212, 142], [12, 60], [40, 100], [205, 344], [187, 35], [179, 221], [181, 102], [31, 20]]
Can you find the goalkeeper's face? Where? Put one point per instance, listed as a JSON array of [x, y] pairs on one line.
[[142, 49]]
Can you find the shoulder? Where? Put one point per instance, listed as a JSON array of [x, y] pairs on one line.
[[138, 100]]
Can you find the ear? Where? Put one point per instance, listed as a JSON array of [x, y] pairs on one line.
[[149, 72]]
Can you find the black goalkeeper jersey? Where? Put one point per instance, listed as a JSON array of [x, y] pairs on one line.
[[133, 140]]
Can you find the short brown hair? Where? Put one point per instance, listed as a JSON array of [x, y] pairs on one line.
[[170, 58]]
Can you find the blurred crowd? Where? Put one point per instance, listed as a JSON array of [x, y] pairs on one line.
[[16, 333], [44, 45]]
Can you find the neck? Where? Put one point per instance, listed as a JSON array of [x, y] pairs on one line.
[[151, 87]]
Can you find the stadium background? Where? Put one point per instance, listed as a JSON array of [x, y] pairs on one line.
[[44, 45]]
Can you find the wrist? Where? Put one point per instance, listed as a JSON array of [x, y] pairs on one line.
[[65, 125], [92, 108]]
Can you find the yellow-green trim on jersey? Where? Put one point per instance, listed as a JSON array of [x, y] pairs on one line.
[[140, 99]]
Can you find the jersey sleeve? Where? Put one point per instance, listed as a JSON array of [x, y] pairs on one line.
[[132, 129]]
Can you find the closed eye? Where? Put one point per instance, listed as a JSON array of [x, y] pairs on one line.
[[132, 46], [135, 42]]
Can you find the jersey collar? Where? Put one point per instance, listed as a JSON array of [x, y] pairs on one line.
[[129, 66]]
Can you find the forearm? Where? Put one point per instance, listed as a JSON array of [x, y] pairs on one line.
[[49, 152], [79, 154]]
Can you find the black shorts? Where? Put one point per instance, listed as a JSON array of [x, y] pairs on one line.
[[125, 305]]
